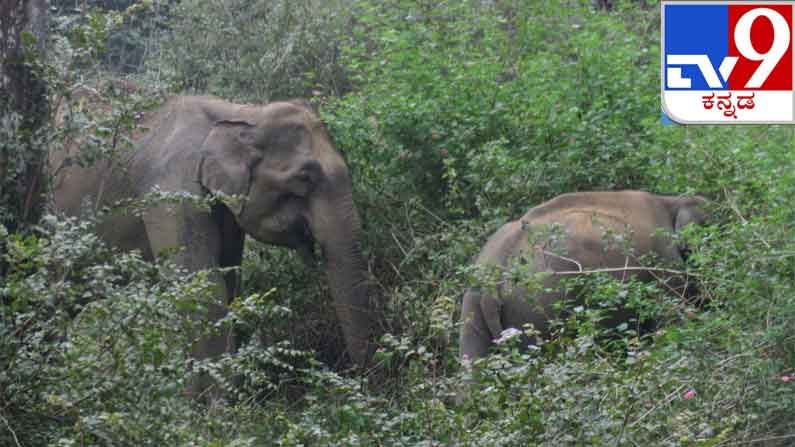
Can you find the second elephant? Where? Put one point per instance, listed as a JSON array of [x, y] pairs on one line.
[[640, 224]]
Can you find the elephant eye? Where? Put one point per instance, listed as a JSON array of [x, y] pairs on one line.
[[305, 179], [286, 138]]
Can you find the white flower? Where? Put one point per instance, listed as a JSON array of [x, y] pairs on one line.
[[508, 334]]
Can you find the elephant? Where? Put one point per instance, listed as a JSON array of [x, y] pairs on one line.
[[296, 190], [584, 221]]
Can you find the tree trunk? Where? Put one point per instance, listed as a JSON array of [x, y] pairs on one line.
[[23, 94]]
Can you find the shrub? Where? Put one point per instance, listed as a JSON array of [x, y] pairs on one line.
[[257, 51], [462, 115]]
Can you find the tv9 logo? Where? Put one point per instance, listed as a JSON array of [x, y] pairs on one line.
[[728, 62]]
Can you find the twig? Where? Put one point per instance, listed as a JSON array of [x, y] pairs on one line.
[[434, 215], [626, 264], [623, 269], [753, 441], [625, 422], [779, 255], [114, 143], [400, 246], [396, 270], [733, 206], [13, 433], [736, 209], [750, 351], [681, 294], [549, 253], [408, 221], [33, 187], [669, 398]]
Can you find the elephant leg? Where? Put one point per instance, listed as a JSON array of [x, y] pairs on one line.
[[196, 238], [231, 248], [479, 315], [476, 335], [233, 238], [491, 307], [127, 233]]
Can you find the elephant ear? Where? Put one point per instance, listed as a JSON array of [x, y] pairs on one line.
[[228, 154], [688, 212], [306, 104]]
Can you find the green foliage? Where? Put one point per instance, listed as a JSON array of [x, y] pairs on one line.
[[457, 101], [123, 46], [460, 116], [20, 148], [257, 50], [77, 328], [95, 348], [479, 111]]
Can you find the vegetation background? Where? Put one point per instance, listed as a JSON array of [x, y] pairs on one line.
[[455, 117]]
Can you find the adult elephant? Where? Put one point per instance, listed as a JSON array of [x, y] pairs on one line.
[[571, 233], [278, 157]]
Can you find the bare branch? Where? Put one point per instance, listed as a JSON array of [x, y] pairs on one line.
[[623, 269]]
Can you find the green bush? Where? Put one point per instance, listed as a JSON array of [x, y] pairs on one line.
[[454, 117], [464, 116], [256, 51], [483, 111]]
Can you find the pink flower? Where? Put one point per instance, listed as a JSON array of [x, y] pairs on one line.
[[785, 378], [689, 395]]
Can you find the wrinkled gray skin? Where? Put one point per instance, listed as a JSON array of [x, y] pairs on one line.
[[279, 156], [580, 243]]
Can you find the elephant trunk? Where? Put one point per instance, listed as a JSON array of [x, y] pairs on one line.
[[335, 225]]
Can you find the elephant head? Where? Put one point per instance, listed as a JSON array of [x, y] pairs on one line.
[[297, 192], [684, 211]]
